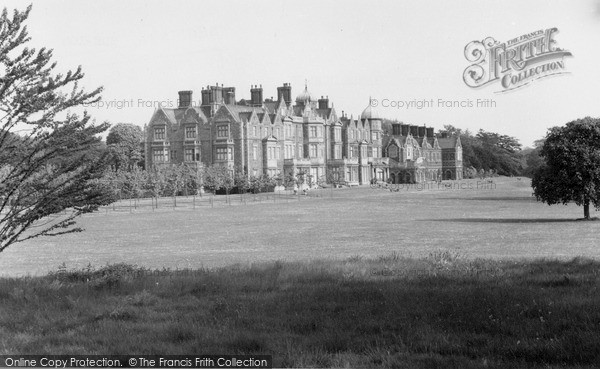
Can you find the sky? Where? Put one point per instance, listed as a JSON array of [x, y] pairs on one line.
[[393, 52]]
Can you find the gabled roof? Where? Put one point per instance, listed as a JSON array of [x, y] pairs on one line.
[[399, 141], [175, 116], [240, 111], [449, 142], [270, 106], [245, 116], [270, 138], [325, 113], [424, 142]]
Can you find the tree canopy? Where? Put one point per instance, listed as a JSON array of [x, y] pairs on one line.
[[489, 151], [124, 142], [571, 172], [49, 170]]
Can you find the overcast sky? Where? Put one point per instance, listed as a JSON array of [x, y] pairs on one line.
[[389, 50]]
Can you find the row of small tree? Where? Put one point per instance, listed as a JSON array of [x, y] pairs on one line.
[[185, 180]]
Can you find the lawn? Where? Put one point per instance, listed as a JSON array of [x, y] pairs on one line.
[[441, 311], [499, 222], [457, 277]]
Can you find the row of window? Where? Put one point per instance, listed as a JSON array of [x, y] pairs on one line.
[[273, 152], [224, 153], [314, 131], [362, 135], [164, 156], [159, 133], [430, 156]]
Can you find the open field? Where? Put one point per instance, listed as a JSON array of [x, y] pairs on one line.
[[389, 312], [498, 223]]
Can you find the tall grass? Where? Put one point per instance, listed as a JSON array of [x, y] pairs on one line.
[[391, 311]]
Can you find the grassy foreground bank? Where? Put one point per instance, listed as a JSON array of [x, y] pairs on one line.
[[439, 311]]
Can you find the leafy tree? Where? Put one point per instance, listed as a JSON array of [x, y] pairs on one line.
[[255, 183], [489, 151], [218, 176], [155, 183], [49, 176], [241, 180], [572, 165], [499, 152], [531, 159], [289, 180], [124, 142]]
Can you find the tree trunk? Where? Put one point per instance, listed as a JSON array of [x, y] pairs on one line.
[[586, 209]]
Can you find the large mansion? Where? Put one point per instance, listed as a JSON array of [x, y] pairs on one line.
[[268, 136]]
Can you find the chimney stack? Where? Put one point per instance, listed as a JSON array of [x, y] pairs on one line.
[[185, 99], [414, 131], [285, 92], [324, 102], [256, 95], [404, 130]]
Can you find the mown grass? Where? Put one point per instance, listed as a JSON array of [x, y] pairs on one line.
[[439, 311]]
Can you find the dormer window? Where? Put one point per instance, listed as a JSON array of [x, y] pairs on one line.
[[222, 131], [393, 151], [190, 132], [159, 133]]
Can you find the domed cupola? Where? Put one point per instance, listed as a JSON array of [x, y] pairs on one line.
[[304, 96], [370, 112]]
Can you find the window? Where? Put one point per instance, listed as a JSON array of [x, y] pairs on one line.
[[314, 173], [337, 154], [353, 151], [222, 131], [374, 136], [189, 154], [159, 133], [277, 153], [352, 134], [254, 152], [159, 156], [396, 129], [313, 131], [337, 133], [313, 150], [221, 153], [190, 132], [254, 133], [230, 153]]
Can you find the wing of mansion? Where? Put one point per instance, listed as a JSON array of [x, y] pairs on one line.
[[273, 137]]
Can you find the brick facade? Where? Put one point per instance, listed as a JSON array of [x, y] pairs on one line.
[[281, 137]]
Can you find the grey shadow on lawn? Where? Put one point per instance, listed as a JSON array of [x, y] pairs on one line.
[[505, 220], [503, 198]]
